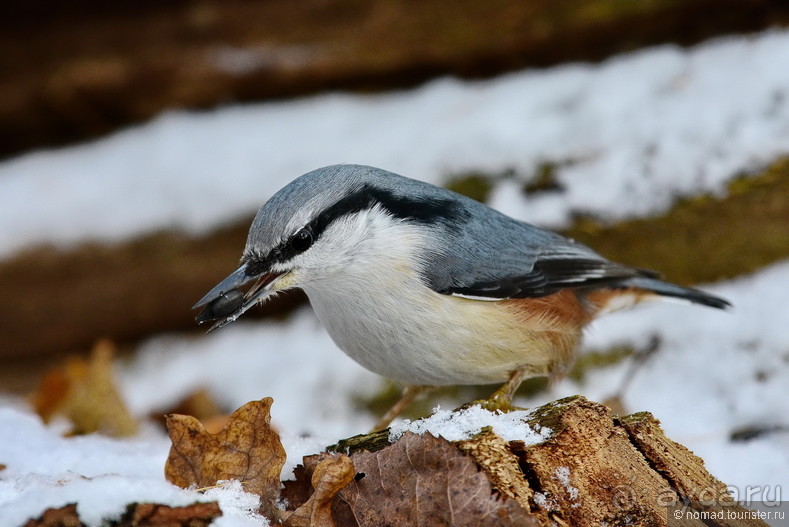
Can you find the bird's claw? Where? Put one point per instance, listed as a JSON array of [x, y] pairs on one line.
[[495, 403]]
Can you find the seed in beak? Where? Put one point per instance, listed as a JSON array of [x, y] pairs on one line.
[[222, 306]]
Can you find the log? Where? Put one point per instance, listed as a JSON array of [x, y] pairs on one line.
[[594, 469], [76, 70]]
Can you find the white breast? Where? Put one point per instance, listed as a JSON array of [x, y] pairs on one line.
[[380, 313]]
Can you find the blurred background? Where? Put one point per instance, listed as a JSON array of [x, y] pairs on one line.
[[138, 139]]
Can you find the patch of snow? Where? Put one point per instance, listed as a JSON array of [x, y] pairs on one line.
[[562, 475], [101, 475], [544, 502], [239, 508], [457, 426], [629, 136]]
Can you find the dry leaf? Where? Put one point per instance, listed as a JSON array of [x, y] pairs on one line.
[[247, 449], [419, 480], [84, 391], [65, 516], [156, 515], [330, 476]]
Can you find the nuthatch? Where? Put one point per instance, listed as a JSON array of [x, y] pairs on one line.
[[428, 287]]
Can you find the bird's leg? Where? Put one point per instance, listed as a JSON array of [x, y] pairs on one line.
[[501, 399], [410, 393]]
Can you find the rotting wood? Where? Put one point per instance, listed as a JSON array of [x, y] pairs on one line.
[[595, 469]]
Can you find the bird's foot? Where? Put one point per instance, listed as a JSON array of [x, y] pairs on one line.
[[409, 394], [501, 399], [494, 403]]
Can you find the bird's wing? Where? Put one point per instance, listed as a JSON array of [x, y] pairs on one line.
[[499, 258]]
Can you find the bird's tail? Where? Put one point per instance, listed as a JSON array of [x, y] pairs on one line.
[[672, 290]]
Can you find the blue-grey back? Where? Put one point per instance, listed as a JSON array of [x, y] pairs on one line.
[[473, 249]]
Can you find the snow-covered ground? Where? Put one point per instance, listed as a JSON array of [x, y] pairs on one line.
[[640, 129]]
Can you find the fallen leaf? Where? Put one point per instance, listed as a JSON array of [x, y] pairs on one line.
[[419, 480], [156, 515], [330, 476], [84, 391], [65, 516], [246, 449]]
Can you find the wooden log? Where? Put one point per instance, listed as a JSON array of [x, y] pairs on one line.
[[81, 69], [594, 469]]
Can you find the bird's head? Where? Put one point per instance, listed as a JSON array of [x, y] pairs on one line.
[[325, 226]]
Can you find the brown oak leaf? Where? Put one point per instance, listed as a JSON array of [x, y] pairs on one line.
[[420, 480], [246, 449], [330, 476], [84, 391]]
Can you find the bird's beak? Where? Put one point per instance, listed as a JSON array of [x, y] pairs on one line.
[[226, 302]]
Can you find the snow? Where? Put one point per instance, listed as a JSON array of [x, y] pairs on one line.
[[666, 121], [239, 508], [464, 424], [562, 475], [544, 502], [100, 474], [636, 132]]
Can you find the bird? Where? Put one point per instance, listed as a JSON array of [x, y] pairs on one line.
[[427, 287]]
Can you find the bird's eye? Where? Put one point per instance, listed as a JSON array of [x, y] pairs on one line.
[[301, 241]]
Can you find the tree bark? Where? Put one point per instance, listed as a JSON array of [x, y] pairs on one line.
[[595, 469]]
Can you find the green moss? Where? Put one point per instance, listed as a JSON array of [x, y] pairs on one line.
[[636, 418], [371, 442], [549, 415]]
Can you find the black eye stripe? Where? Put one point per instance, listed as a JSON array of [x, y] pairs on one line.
[[409, 209], [405, 208]]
